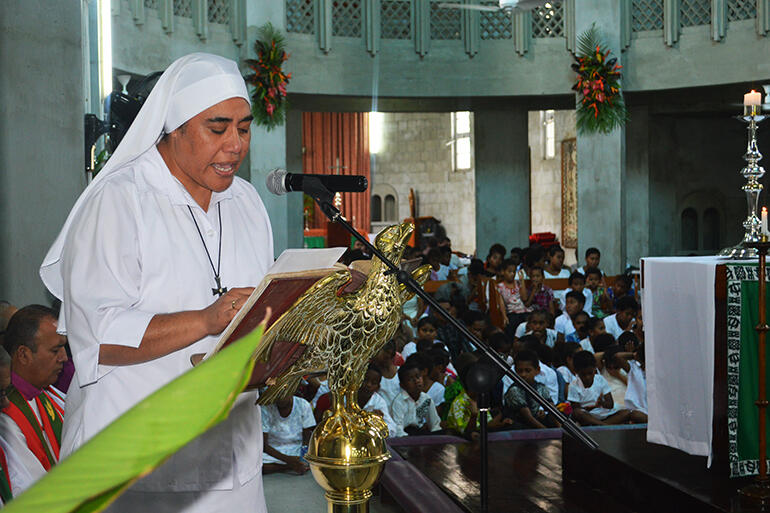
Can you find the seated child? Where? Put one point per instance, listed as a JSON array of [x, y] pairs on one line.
[[577, 283], [463, 414], [475, 322], [581, 327], [601, 343], [628, 341], [428, 385], [524, 410], [595, 283], [636, 394], [592, 259], [434, 260], [595, 327], [513, 290], [455, 388], [286, 427], [622, 319], [567, 370], [546, 375], [495, 259], [590, 394], [537, 325], [412, 409], [540, 295], [426, 333], [623, 287], [614, 367], [573, 304], [555, 268], [369, 400], [383, 360]]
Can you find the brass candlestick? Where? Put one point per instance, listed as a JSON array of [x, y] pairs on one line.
[[752, 172], [758, 493]]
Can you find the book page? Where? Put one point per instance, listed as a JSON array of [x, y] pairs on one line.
[[316, 262]]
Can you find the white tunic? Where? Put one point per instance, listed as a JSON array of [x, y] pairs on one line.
[[24, 469], [133, 251]]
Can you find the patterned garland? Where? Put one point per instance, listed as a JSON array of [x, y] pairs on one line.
[[268, 101]]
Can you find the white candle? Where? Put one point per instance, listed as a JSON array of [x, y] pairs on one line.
[[752, 98], [764, 221]]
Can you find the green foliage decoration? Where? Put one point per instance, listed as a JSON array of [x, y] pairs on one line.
[[600, 108], [268, 101], [144, 437]]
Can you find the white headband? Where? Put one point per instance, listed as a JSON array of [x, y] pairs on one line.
[[189, 86]]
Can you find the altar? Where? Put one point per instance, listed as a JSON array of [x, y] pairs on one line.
[[699, 316]]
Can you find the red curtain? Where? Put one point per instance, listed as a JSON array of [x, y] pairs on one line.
[[331, 136]]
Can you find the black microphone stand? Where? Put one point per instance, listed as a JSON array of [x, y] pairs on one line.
[[481, 380], [324, 197]]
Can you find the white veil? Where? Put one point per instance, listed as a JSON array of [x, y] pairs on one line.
[[189, 86]]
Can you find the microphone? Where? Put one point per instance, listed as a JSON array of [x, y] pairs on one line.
[[279, 182]]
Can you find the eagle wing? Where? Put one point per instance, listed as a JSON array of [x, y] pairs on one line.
[[313, 321]]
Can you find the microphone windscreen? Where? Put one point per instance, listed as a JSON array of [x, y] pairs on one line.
[[275, 181]]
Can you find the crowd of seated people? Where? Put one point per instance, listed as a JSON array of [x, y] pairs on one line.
[[579, 343]]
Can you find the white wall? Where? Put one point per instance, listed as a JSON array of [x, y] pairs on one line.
[[415, 155], [545, 177]]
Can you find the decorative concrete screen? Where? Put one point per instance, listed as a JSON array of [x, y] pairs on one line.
[[346, 18], [444, 22], [495, 25], [300, 16], [695, 12], [183, 8], [548, 20], [395, 19], [219, 11], [741, 10], [646, 15]]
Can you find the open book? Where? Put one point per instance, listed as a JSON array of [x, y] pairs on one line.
[[295, 271]]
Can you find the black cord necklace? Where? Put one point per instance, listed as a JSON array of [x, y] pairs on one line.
[[220, 289]]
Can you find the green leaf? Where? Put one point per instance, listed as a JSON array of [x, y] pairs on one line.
[[145, 436]]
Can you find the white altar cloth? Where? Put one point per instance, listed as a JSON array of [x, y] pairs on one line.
[[679, 327]]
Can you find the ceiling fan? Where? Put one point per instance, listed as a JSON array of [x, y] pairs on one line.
[[505, 5]]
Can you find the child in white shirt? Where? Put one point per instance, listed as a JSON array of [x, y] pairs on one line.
[[412, 409], [286, 427], [636, 394], [590, 394], [574, 302]]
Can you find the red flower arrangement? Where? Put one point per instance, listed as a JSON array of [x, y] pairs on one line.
[[600, 107], [268, 101]]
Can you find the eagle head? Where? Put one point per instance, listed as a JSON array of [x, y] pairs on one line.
[[393, 240]]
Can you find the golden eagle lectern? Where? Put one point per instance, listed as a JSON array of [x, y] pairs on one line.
[[343, 331]]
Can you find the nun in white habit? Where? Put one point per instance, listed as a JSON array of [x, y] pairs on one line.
[[141, 266]]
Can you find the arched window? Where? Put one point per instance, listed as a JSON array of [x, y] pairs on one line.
[[689, 227], [390, 208], [711, 228], [376, 208]]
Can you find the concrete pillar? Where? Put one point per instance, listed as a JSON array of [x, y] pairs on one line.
[[637, 186], [601, 159], [41, 136], [502, 179], [268, 149]]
